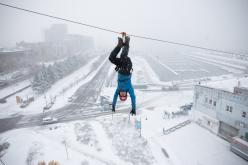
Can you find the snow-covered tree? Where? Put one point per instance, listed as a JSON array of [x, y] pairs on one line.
[[46, 76]]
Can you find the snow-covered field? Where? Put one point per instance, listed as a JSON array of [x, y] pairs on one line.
[[113, 139]]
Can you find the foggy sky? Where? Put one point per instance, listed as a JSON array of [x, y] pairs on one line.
[[217, 24]]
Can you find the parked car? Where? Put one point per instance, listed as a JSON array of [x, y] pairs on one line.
[[186, 107], [2, 101], [3, 83], [17, 75], [48, 106], [49, 120], [31, 99], [24, 103], [70, 99]]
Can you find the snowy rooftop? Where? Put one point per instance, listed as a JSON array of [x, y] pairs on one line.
[[3, 50], [228, 84]]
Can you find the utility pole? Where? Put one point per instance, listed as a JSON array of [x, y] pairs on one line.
[[51, 99], [112, 116], [64, 141], [45, 100], [110, 107], [140, 126]]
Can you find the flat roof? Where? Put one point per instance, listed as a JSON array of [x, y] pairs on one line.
[[228, 84]]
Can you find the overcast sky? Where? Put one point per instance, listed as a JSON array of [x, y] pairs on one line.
[[218, 24]]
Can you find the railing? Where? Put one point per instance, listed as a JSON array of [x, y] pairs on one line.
[[174, 128]]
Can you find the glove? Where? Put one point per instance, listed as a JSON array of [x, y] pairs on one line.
[[133, 112], [120, 42], [127, 40]]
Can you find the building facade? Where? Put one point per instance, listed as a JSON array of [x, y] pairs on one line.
[[222, 112], [58, 44], [15, 59]]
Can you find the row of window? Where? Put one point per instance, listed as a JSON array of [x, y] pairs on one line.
[[230, 109], [210, 101]]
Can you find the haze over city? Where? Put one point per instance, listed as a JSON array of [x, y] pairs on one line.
[[217, 24]]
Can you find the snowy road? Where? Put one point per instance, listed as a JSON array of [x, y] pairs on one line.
[[83, 106], [87, 93]]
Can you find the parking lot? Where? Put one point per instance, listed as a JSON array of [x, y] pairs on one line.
[[183, 67]]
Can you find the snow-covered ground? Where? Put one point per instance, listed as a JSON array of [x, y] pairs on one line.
[[113, 139], [107, 140]]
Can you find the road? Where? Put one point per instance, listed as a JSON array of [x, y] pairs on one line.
[[80, 108]]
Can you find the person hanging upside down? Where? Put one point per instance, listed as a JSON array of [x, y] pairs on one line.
[[124, 69]]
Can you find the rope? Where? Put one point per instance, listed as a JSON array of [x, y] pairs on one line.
[[58, 18], [116, 32]]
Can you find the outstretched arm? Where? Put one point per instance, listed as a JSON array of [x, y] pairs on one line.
[[115, 99], [133, 98]]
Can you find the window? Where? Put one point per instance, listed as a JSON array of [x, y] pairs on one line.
[[210, 101], [243, 114], [206, 99], [215, 103], [227, 108]]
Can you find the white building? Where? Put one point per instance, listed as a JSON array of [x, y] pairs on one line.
[[223, 112]]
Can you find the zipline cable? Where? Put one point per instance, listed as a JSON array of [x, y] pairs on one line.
[[58, 18], [116, 32], [187, 45]]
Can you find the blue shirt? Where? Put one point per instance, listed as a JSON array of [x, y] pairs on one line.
[[125, 84]]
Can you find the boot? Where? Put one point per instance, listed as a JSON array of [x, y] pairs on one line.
[[120, 42], [127, 40]]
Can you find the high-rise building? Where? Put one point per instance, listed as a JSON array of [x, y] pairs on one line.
[[56, 33]]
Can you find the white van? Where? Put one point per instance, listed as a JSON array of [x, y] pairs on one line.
[[49, 120]]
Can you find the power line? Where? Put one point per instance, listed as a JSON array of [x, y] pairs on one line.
[[116, 32], [58, 18], [187, 45]]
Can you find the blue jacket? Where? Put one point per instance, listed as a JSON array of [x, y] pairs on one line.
[[124, 84]]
